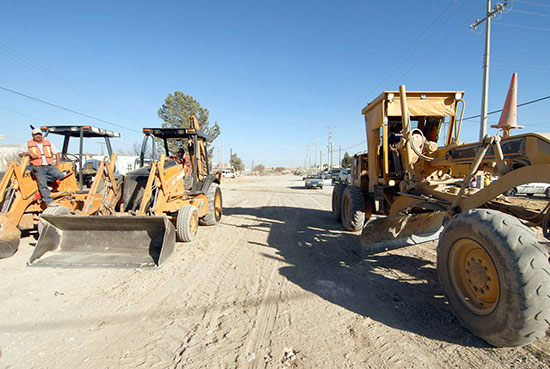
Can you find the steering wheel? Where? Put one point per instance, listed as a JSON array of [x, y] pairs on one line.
[[71, 157]]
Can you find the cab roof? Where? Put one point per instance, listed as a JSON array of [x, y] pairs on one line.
[[176, 133], [74, 131]]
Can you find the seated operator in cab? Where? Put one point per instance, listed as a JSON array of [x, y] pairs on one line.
[[396, 132]]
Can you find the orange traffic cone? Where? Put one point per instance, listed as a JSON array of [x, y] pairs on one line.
[[509, 117]]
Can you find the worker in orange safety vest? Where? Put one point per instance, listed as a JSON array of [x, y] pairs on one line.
[[42, 154]]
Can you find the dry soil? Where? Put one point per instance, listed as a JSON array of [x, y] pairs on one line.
[[278, 284]]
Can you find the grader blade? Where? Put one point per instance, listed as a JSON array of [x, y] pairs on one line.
[[393, 232], [9, 238], [105, 241]]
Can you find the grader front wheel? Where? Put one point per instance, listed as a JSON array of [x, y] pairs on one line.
[[337, 193], [353, 209], [496, 277]]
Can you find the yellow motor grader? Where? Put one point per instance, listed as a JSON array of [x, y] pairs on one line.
[[21, 202], [162, 201], [413, 186]]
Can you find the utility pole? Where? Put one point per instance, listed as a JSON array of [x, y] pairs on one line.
[[307, 159], [222, 156], [331, 154], [499, 8], [329, 147], [340, 156], [316, 149]]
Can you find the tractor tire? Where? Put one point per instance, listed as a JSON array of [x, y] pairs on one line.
[[496, 277], [57, 210], [215, 210], [187, 223], [353, 209], [337, 192]]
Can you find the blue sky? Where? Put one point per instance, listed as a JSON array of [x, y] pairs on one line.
[[273, 74]]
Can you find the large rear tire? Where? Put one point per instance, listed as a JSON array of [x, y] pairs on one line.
[[54, 210], [353, 209], [337, 192], [187, 223], [215, 210], [496, 277]]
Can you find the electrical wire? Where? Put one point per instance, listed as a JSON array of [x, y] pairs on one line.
[[532, 3], [530, 13], [521, 26], [423, 58], [53, 77], [25, 115], [67, 109], [519, 105], [391, 70]]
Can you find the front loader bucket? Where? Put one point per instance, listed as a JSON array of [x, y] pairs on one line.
[[9, 238], [393, 232], [104, 241]]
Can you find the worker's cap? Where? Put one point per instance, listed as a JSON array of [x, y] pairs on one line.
[[36, 131]]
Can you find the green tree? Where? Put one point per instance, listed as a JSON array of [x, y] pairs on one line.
[[346, 161], [236, 163], [175, 113], [260, 168]]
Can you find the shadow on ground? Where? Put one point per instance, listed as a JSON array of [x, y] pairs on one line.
[[399, 291]]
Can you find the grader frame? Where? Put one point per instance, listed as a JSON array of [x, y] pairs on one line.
[[493, 271]]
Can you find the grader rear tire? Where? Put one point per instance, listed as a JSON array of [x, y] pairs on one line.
[[337, 192], [187, 223], [353, 209], [214, 215], [496, 277]]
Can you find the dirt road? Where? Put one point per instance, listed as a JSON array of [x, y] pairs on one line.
[[277, 284]]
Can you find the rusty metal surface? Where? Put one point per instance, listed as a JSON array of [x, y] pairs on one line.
[[393, 232], [105, 241], [9, 238]]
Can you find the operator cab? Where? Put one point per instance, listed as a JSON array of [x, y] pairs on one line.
[[86, 169]]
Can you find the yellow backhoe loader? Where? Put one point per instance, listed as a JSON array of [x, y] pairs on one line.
[[413, 186], [163, 200], [20, 200]]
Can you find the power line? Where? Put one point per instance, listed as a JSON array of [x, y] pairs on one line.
[[521, 65], [530, 13], [29, 64], [531, 3], [519, 105], [67, 109], [521, 26], [403, 58], [25, 115], [425, 55]]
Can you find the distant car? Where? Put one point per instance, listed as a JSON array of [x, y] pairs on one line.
[[530, 189], [228, 173], [334, 173], [313, 181], [345, 177]]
